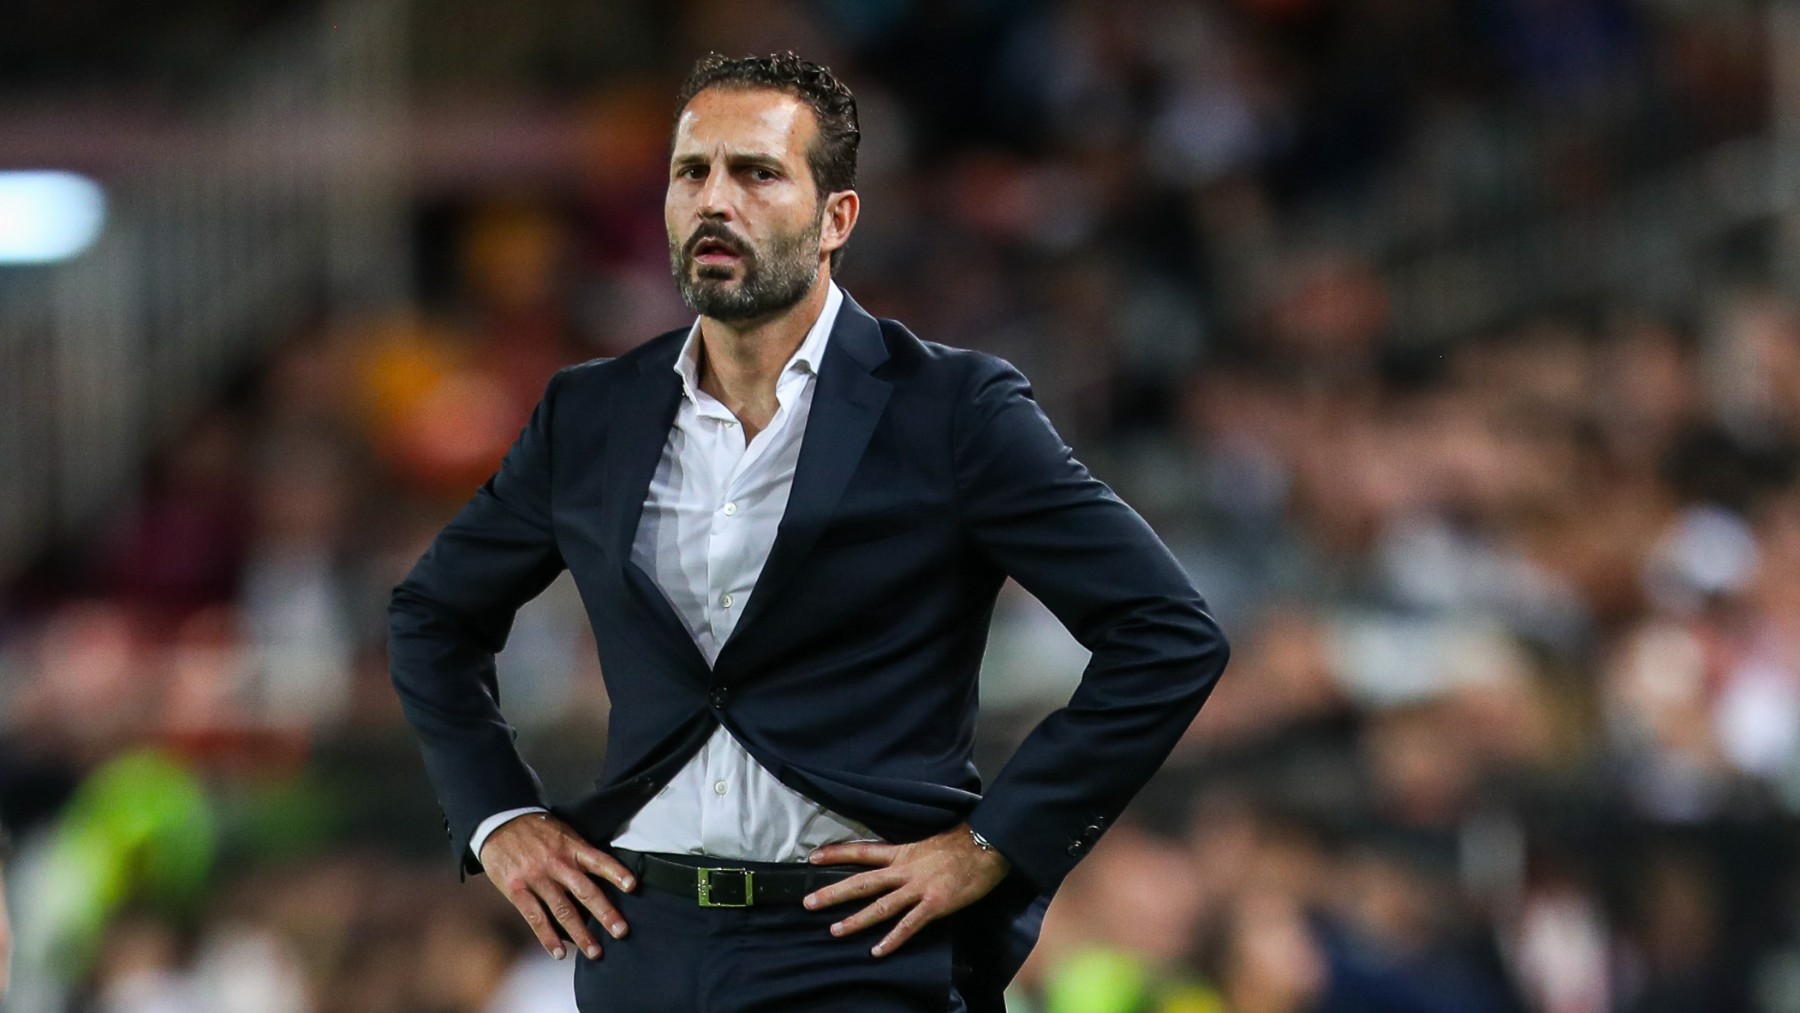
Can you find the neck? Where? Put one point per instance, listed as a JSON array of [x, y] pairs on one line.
[[740, 361]]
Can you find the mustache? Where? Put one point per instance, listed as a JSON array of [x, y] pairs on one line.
[[718, 234]]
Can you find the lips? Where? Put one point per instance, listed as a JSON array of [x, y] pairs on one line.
[[716, 251]]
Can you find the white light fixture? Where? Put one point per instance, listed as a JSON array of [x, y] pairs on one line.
[[47, 216]]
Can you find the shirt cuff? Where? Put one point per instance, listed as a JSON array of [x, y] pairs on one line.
[[492, 823]]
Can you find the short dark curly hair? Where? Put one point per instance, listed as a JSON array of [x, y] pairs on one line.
[[832, 155]]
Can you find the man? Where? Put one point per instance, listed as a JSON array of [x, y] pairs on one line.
[[788, 523]]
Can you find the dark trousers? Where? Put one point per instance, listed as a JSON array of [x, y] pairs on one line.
[[679, 957]]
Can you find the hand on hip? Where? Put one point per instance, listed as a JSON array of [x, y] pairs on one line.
[[545, 868], [926, 880]]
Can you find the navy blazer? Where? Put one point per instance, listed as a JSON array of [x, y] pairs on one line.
[[926, 477]]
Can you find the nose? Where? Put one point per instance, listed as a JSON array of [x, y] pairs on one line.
[[715, 198]]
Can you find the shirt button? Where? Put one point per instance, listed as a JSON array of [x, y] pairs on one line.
[[721, 788], [731, 509], [725, 601]]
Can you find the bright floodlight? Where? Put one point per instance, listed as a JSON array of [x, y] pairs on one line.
[[48, 216]]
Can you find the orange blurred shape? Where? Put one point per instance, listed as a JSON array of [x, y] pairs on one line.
[[441, 423], [512, 255], [625, 135], [457, 434], [401, 362]]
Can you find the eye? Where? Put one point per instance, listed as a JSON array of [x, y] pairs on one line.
[[762, 175], [692, 172]]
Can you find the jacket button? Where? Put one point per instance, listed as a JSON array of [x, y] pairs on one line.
[[1090, 832], [1075, 848], [721, 695], [645, 786]]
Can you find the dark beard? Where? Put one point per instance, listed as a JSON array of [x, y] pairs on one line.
[[772, 282]]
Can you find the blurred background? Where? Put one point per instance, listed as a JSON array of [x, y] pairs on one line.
[[1454, 346]]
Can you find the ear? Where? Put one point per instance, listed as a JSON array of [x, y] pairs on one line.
[[839, 219]]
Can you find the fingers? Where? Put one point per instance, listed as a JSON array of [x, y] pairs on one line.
[[915, 920], [528, 905], [568, 914], [920, 912], [582, 888], [604, 865], [886, 906], [863, 884], [547, 871], [855, 853]]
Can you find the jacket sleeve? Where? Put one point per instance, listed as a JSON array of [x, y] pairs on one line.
[[452, 614], [1038, 514]]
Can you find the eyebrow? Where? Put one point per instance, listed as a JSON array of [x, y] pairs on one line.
[[733, 158]]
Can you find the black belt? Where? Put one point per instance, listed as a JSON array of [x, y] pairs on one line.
[[722, 882]]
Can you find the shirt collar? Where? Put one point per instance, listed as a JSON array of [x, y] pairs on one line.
[[805, 359]]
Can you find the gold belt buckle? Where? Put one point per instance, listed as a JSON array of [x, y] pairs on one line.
[[725, 887]]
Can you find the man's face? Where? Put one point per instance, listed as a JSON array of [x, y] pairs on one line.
[[742, 213]]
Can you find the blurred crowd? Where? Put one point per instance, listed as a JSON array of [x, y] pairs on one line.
[[1513, 720]]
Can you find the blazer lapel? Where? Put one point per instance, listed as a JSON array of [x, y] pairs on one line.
[[642, 416], [846, 405]]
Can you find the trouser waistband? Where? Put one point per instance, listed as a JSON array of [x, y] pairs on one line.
[[725, 882]]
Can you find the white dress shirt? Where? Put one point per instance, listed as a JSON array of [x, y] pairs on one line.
[[709, 520]]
